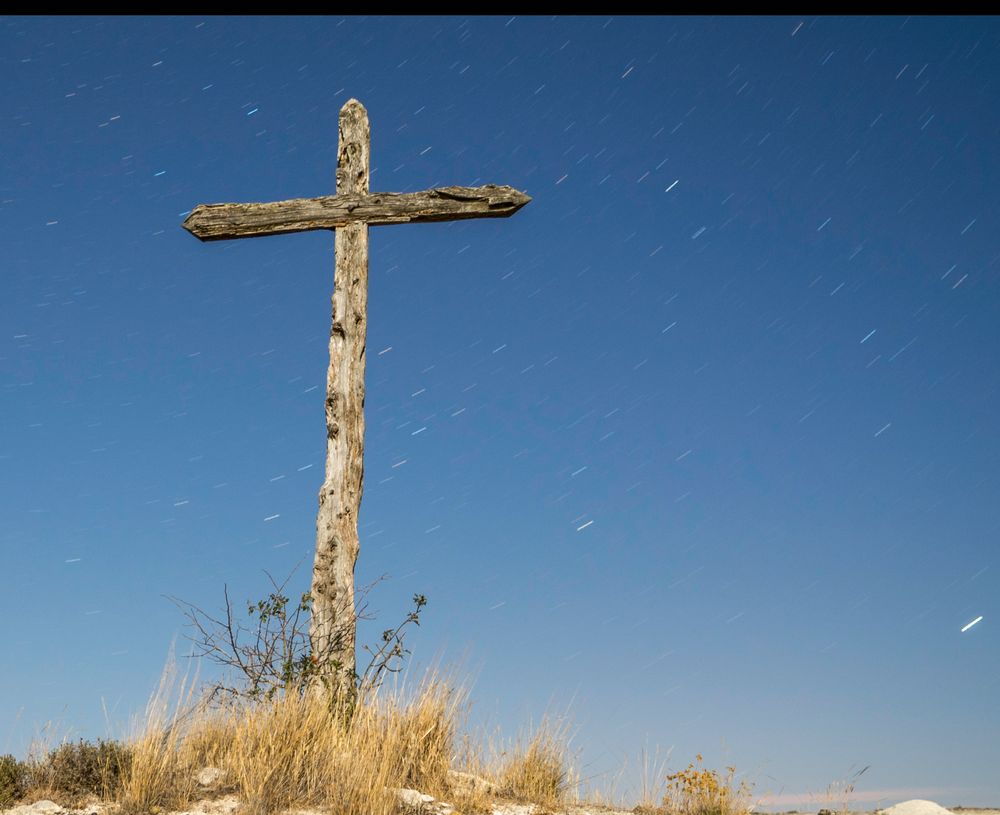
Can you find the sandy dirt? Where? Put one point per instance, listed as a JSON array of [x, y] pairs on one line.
[[229, 805]]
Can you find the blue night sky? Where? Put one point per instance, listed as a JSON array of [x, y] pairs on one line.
[[701, 444]]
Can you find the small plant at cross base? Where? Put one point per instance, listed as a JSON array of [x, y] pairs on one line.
[[697, 790], [270, 651]]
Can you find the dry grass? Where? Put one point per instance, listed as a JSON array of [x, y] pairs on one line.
[[472, 786], [158, 776], [298, 751], [653, 780], [700, 791], [537, 769], [837, 797], [207, 741]]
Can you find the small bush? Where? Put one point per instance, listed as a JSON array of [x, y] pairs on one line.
[[699, 791], [75, 772], [13, 780]]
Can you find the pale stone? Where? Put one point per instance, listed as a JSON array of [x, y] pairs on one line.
[[227, 805], [209, 776], [916, 806], [416, 801], [469, 783], [43, 807], [514, 809]]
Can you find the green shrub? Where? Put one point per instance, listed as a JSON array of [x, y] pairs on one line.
[[75, 772], [13, 780]]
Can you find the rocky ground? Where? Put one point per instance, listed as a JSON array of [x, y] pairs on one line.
[[413, 802]]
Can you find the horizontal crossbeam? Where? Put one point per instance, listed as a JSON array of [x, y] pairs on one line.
[[214, 222]]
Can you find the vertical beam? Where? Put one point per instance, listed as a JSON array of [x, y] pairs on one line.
[[332, 631]]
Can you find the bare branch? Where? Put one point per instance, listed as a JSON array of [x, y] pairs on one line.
[[273, 655]]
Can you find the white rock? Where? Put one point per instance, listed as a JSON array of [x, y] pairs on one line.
[[43, 807], [417, 801], [916, 807], [467, 782], [209, 776], [595, 809], [514, 809], [414, 799], [217, 806]]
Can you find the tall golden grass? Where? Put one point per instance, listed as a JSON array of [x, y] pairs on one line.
[[537, 768], [300, 751], [297, 751], [160, 775]]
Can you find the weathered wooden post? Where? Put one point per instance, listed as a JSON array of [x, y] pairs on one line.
[[349, 213]]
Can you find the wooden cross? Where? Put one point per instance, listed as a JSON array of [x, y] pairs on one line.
[[350, 212]]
